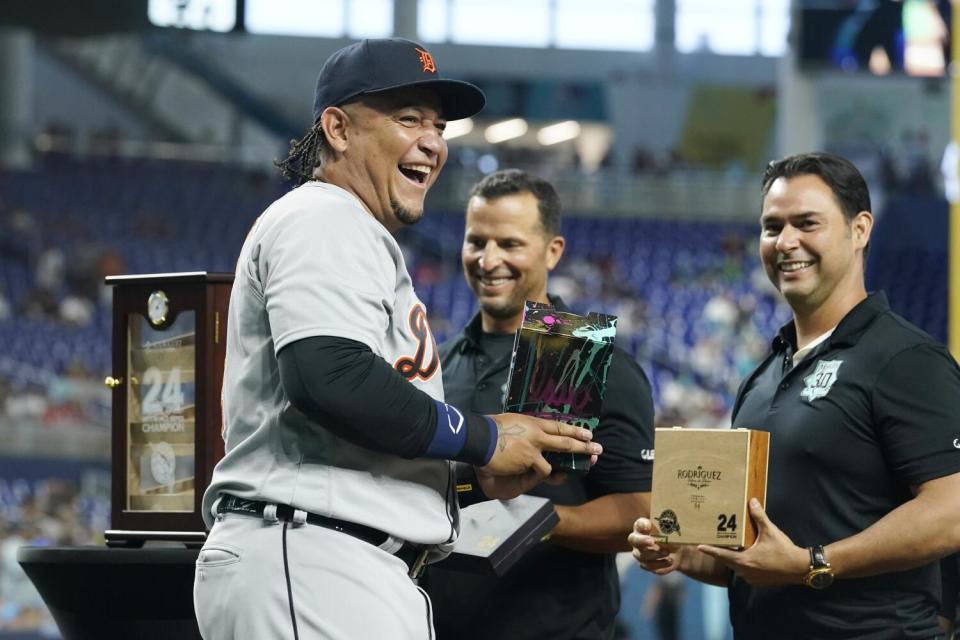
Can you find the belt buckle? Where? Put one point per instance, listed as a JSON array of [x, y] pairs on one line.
[[416, 570]]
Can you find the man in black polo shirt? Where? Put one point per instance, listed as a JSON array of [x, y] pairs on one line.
[[863, 491], [568, 586]]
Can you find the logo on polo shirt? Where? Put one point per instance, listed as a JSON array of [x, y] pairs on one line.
[[818, 383]]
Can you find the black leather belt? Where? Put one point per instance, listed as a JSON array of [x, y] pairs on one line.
[[414, 555]]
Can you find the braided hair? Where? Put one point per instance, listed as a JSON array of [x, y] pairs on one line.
[[306, 154]]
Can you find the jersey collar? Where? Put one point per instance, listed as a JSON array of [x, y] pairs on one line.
[[847, 333], [849, 330]]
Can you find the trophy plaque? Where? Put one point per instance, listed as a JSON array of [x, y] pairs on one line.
[[703, 480], [559, 371], [169, 343], [496, 533]]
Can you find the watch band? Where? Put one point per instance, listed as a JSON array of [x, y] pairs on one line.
[[818, 558]]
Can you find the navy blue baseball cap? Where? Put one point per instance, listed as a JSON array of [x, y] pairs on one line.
[[374, 66]]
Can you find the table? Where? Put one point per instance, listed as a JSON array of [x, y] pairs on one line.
[[109, 593]]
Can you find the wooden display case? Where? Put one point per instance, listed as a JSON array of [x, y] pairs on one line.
[[703, 480], [169, 344]]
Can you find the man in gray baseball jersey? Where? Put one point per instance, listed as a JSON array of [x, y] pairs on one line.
[[337, 486]]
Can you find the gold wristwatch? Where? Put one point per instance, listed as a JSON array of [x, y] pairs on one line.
[[820, 575]]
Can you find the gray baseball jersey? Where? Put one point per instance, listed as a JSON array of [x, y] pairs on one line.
[[316, 263]]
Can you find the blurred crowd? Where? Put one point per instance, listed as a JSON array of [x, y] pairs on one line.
[[60, 285], [65, 279], [44, 512]]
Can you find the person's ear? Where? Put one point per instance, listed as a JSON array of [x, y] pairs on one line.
[[555, 251], [334, 122], [861, 226]]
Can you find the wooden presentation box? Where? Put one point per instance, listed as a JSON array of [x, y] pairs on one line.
[[703, 480], [495, 534], [169, 343]]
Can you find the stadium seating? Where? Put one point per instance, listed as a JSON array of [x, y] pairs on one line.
[[165, 216]]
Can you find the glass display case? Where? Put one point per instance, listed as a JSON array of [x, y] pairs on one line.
[[169, 335]]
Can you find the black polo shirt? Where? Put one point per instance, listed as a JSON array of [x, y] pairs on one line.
[[552, 592], [869, 412]]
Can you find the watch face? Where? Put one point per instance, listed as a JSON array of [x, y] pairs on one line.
[[163, 462], [157, 307], [821, 579]]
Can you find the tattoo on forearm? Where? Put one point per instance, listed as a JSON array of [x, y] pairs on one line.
[[512, 430]]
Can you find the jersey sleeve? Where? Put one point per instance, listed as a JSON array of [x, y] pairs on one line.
[[917, 403], [325, 272], [625, 431]]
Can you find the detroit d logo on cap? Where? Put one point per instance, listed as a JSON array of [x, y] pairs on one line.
[[818, 383], [429, 66]]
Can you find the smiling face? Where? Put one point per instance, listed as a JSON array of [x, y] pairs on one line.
[[812, 254], [506, 257], [389, 150]]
